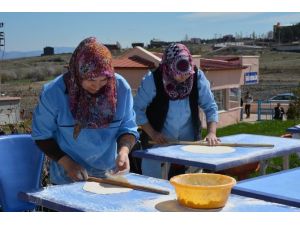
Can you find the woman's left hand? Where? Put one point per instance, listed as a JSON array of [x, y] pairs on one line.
[[212, 139], [122, 161]]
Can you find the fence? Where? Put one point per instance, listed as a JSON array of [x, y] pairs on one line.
[[265, 108]]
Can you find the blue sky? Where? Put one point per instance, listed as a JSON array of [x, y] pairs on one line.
[[33, 31]]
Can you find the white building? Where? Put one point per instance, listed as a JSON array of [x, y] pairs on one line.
[[9, 110]]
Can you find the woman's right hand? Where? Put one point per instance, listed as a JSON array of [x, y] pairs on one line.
[[73, 169], [158, 137]]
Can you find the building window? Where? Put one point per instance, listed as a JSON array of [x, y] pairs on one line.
[[234, 97], [220, 98]]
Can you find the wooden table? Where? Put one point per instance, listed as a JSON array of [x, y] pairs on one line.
[[72, 197]]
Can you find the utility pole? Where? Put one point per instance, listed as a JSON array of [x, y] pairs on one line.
[[2, 40], [2, 47]]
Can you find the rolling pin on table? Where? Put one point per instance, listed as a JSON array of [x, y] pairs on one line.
[[72, 197], [201, 143], [216, 162], [128, 185]]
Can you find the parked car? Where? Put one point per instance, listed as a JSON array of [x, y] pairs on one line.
[[284, 98]]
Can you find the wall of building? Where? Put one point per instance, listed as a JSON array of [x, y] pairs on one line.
[[143, 53], [9, 112], [226, 118], [133, 76], [223, 79], [229, 117], [253, 65], [196, 60]]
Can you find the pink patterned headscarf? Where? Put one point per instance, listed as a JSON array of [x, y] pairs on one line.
[[91, 59], [177, 62]]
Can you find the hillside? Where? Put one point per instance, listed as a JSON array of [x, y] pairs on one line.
[[24, 77], [279, 72]]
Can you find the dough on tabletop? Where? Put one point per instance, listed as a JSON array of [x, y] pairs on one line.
[[105, 189], [207, 149]]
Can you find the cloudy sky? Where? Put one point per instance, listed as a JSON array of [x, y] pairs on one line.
[[32, 31]]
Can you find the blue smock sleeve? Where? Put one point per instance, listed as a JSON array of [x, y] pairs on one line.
[[206, 99], [128, 124], [44, 117], [146, 92]]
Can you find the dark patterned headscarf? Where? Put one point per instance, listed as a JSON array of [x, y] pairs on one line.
[[91, 59], [177, 62]]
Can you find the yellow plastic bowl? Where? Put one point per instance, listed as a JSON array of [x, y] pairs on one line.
[[202, 190]]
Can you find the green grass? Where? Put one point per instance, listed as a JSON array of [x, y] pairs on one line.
[[269, 128]]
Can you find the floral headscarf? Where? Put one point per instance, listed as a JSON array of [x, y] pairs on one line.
[[177, 62], [91, 59]]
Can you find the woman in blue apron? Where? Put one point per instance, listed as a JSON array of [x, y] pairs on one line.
[[167, 105], [85, 120]]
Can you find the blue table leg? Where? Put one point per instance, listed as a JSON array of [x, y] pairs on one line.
[[263, 167], [165, 170], [286, 162]]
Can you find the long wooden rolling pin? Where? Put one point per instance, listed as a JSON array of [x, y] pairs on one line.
[[128, 185], [219, 144]]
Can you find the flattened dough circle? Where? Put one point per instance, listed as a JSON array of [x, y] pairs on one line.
[[208, 149], [105, 189]]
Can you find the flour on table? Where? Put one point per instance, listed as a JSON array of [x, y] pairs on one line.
[[105, 189], [208, 149]]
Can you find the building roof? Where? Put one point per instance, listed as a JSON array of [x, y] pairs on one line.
[[158, 54], [138, 62], [216, 64], [220, 63], [234, 59], [133, 62]]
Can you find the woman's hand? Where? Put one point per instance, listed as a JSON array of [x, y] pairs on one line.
[[122, 161], [212, 139], [158, 137], [211, 136], [73, 169]]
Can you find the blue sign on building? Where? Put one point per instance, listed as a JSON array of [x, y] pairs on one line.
[[251, 78]]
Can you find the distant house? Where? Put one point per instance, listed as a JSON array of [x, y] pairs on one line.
[[155, 43], [9, 110], [48, 51], [113, 47], [227, 74], [195, 40], [228, 38], [136, 44]]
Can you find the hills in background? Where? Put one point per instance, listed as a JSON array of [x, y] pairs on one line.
[[16, 54]]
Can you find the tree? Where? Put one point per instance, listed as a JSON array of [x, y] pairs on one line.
[[119, 45], [186, 37], [253, 35], [270, 35]]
